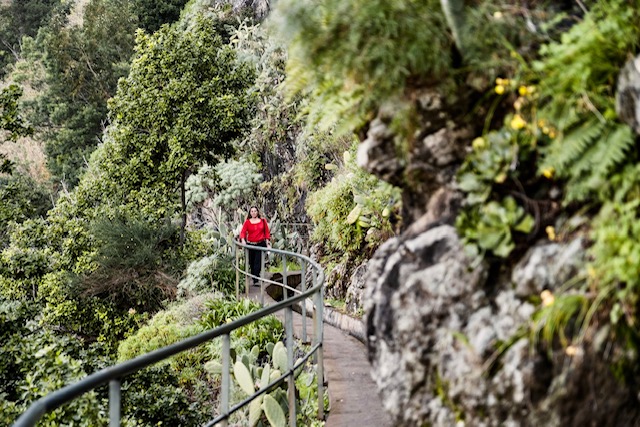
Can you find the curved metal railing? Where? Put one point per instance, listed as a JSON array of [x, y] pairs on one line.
[[113, 375]]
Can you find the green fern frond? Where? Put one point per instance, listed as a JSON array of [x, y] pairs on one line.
[[615, 148], [563, 152], [591, 171]]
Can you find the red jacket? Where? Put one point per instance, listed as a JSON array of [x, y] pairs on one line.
[[255, 233]]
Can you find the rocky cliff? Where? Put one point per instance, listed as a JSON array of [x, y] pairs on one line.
[[451, 340]]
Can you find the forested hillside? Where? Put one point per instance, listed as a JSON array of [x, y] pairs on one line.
[[466, 172]]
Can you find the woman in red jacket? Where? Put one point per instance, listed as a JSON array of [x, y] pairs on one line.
[[255, 231]]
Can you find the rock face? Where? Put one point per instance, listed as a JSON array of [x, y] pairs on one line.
[[431, 161], [449, 342], [355, 291], [547, 267], [628, 94], [453, 342]]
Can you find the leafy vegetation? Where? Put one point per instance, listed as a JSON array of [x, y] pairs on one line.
[[591, 143], [81, 72], [162, 136], [20, 18], [350, 55], [152, 14], [355, 212]]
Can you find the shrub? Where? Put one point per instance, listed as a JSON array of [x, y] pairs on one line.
[[355, 212]]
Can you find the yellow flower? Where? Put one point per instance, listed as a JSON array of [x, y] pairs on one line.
[[502, 82], [591, 272], [541, 123], [551, 232], [522, 90], [548, 172], [499, 89], [547, 298], [517, 122], [552, 134], [479, 143]]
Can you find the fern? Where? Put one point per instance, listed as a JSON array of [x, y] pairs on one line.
[[615, 149], [577, 77], [572, 145]]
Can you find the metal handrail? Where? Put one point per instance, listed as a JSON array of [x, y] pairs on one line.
[[114, 374]]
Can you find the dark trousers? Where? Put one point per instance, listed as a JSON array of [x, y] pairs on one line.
[[255, 258]]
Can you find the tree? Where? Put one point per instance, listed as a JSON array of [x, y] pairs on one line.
[[83, 65], [153, 13], [20, 18], [12, 121], [183, 103]]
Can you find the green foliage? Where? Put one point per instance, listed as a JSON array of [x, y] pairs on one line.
[[616, 255], [187, 370], [153, 13], [211, 266], [489, 227], [156, 396], [353, 212], [19, 18], [35, 362], [223, 310], [351, 55], [487, 224], [454, 13], [230, 183], [23, 262], [83, 65], [562, 317], [209, 273], [135, 263], [21, 198], [251, 377], [253, 373], [238, 182], [12, 121], [180, 382], [165, 328], [181, 105], [314, 151], [577, 81]]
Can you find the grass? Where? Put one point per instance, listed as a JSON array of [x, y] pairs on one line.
[[291, 266]]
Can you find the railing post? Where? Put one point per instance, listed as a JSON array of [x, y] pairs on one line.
[[318, 339], [303, 287], [114, 403], [226, 377], [237, 254], [285, 282], [262, 256], [247, 270], [291, 389]]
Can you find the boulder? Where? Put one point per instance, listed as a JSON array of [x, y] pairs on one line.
[[628, 94]]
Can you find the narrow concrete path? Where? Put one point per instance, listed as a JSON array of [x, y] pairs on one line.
[[353, 395]]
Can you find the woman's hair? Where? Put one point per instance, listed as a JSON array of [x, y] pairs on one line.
[[249, 213]]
